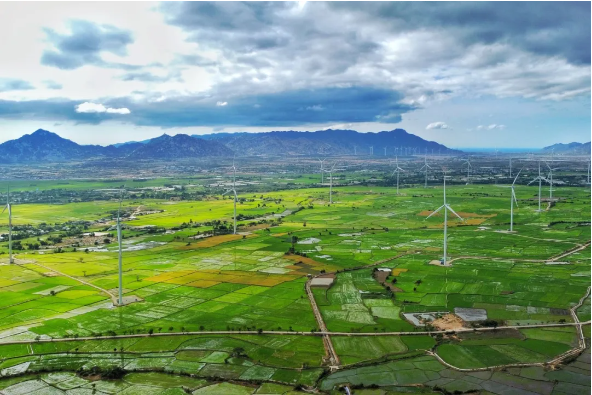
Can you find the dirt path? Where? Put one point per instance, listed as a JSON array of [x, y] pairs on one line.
[[574, 351], [329, 349], [113, 297], [552, 259], [569, 252]]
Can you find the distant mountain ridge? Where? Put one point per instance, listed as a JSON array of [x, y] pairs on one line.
[[571, 148], [327, 142], [44, 146]]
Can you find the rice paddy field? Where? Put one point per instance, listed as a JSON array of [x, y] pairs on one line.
[[191, 298]]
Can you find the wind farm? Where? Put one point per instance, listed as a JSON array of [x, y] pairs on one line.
[[295, 198], [190, 250]]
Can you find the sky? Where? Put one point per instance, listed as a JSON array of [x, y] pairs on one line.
[[465, 74]]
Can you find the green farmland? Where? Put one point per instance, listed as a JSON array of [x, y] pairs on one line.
[[214, 313]]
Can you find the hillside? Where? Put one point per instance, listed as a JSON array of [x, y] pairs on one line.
[[178, 146], [571, 148], [327, 142], [43, 146]]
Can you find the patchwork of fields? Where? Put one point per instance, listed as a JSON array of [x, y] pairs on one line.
[[249, 282]]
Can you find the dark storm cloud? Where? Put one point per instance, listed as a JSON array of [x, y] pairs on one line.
[[411, 47], [356, 104], [545, 28], [84, 45], [13, 84]]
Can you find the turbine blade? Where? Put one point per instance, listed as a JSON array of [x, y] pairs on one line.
[[517, 176], [514, 197], [438, 209], [454, 212], [4, 209]]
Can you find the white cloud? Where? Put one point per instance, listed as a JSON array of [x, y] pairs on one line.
[[438, 125], [316, 107], [88, 107], [340, 126], [491, 127], [221, 103]]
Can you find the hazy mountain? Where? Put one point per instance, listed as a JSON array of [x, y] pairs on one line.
[[330, 142], [44, 146], [571, 148], [178, 146]]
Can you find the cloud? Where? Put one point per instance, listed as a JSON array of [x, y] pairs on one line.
[[437, 125], [316, 107], [221, 103], [49, 84], [13, 84], [88, 107], [493, 126], [84, 45], [428, 52], [343, 105]]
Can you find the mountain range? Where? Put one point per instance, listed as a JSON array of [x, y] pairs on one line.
[[44, 146], [571, 148], [326, 142]]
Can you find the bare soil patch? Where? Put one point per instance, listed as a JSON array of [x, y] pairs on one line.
[[448, 322]]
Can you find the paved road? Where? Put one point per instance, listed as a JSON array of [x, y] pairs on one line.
[[295, 333]]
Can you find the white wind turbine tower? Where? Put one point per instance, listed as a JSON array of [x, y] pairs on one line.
[[233, 190], [469, 168], [9, 207], [513, 201], [540, 179], [425, 167], [446, 208], [371, 150], [588, 179], [322, 170], [120, 264], [397, 171], [551, 180], [330, 171], [355, 150], [384, 151], [511, 167]]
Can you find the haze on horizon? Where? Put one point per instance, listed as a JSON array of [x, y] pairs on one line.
[[466, 74]]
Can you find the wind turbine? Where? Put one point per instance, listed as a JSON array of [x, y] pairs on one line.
[[9, 207], [233, 190], [355, 150], [322, 172], [469, 167], [446, 208], [540, 179], [397, 170], [425, 167], [384, 151], [513, 201], [588, 179], [511, 167], [330, 171], [371, 150], [551, 180], [120, 265]]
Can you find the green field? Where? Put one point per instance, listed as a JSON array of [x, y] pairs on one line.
[[249, 282]]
